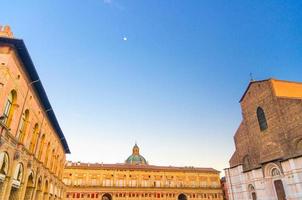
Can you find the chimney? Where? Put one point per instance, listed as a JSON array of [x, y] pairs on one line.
[[5, 31]]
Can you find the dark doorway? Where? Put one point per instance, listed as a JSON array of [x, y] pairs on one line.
[[182, 197], [280, 190], [107, 197], [254, 196]]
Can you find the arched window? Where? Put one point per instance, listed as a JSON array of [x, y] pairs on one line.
[[252, 192], [246, 162], [3, 163], [261, 119], [275, 172], [47, 154], [23, 126], [42, 143], [52, 159], [18, 175], [9, 108], [34, 138]]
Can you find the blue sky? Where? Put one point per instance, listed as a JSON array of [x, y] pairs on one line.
[[174, 84]]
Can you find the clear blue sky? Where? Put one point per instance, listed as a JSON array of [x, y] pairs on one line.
[[174, 84]]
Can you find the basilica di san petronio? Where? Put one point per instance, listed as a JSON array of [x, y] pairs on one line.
[[266, 164]]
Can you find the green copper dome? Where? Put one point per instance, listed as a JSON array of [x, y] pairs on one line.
[[136, 158]]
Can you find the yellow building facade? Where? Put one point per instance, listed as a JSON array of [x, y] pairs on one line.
[[136, 179], [32, 145]]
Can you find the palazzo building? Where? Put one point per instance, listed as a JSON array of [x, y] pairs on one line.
[[267, 162], [32, 145], [136, 179]]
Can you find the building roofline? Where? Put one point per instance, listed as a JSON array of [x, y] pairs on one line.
[[75, 165], [32, 74], [249, 85], [259, 81]]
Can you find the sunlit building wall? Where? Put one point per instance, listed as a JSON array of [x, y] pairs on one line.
[[136, 179], [32, 145]]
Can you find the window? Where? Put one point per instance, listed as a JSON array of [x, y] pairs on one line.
[[107, 182], [41, 147], [246, 162], [47, 154], [34, 138], [132, 183], [120, 183], [3, 164], [9, 108], [261, 119], [275, 172], [157, 184], [93, 182], [144, 183], [23, 126], [18, 175]]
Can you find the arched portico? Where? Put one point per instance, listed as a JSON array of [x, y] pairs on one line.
[[182, 197], [107, 196], [4, 166], [30, 186], [16, 182], [46, 190], [39, 193]]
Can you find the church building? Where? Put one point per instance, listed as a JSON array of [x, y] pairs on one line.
[[135, 179], [267, 162]]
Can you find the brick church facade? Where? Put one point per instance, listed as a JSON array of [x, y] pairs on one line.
[[267, 162]]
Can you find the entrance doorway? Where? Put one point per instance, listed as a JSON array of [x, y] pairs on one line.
[[279, 190], [254, 196], [107, 197], [182, 197]]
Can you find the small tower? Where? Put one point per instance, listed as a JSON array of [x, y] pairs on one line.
[[5, 31]]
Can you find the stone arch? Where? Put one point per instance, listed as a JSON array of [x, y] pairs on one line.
[[274, 172], [4, 169], [106, 196], [269, 168], [182, 196], [46, 189], [17, 178], [39, 187], [30, 186]]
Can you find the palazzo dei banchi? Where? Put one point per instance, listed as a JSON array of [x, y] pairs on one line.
[[267, 163]]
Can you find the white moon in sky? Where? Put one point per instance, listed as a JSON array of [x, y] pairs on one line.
[[124, 38]]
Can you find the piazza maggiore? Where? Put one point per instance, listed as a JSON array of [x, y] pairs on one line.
[[33, 149], [266, 164]]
